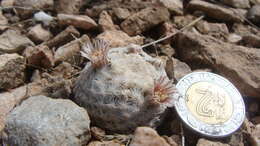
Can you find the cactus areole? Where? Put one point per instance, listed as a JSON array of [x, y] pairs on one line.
[[123, 88]]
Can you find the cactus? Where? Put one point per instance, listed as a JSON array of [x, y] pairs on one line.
[[123, 88]]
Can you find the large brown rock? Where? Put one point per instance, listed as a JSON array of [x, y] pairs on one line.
[[237, 3], [38, 34], [117, 38], [145, 136], [215, 11], [40, 56], [12, 68], [205, 142], [79, 21], [239, 64], [144, 20]]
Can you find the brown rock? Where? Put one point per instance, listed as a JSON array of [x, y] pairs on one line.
[[64, 70], [145, 136], [215, 11], [12, 68], [67, 51], [180, 69], [237, 3], [166, 29], [12, 41], [204, 142], [174, 6], [251, 40], [3, 21], [38, 34], [256, 120], [69, 6], [121, 13], [104, 143], [167, 50], [79, 21], [97, 133], [32, 6], [181, 21], [40, 56], [239, 64], [250, 35], [170, 141], [7, 3], [205, 27], [117, 38], [105, 21], [64, 37], [144, 20]]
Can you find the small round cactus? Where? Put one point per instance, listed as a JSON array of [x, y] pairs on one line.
[[123, 88]]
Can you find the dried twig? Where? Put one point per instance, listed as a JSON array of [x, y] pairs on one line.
[[171, 35]]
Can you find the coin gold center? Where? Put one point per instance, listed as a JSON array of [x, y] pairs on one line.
[[209, 103]]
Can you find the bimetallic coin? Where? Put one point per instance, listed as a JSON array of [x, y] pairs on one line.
[[209, 104]]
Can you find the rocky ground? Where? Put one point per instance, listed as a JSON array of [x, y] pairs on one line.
[[40, 60]]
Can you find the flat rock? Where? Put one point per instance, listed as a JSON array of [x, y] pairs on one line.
[[67, 51], [145, 136], [12, 67], [38, 34], [117, 38], [33, 5], [79, 21], [63, 37], [239, 64], [205, 142], [68, 6], [41, 120], [40, 56], [121, 13], [104, 143], [237, 3], [174, 6], [144, 20], [215, 11], [105, 21], [13, 41]]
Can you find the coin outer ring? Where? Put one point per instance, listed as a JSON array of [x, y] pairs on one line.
[[210, 130]]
